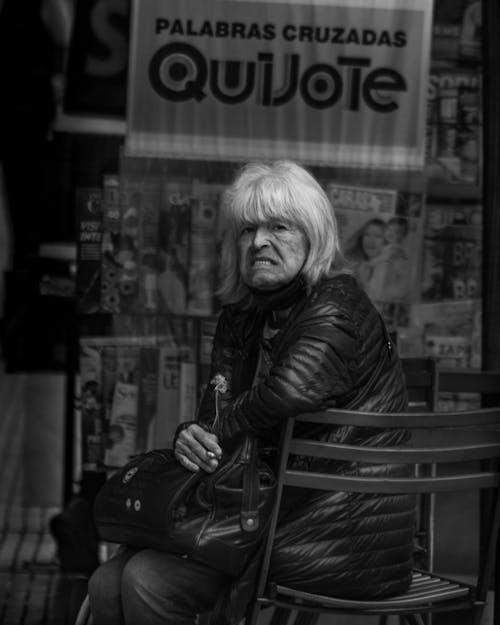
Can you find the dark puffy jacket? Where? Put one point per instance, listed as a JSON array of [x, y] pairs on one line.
[[332, 350]]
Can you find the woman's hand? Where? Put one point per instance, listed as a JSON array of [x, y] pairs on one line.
[[195, 449]]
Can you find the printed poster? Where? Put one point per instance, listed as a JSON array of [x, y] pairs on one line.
[[324, 82], [381, 244]]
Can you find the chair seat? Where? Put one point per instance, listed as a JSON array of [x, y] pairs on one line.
[[425, 588]]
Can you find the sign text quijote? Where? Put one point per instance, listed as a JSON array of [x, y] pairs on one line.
[[180, 72]]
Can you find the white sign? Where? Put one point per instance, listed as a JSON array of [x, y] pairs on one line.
[[341, 82]]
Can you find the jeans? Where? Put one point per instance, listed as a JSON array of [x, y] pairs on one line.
[[147, 587]]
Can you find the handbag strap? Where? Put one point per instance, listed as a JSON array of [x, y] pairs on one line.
[[249, 514]]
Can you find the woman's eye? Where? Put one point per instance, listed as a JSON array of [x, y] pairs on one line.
[[279, 227], [246, 230]]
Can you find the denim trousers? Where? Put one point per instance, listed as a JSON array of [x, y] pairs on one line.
[[148, 587]]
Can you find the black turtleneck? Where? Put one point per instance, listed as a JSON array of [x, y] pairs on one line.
[[278, 299]]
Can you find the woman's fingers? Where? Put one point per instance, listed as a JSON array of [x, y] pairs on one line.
[[200, 460], [208, 441], [187, 464], [199, 448]]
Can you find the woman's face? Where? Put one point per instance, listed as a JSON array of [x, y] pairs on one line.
[[271, 253], [372, 240]]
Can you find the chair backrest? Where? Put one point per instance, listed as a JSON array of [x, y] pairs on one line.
[[427, 384], [463, 471], [484, 387]]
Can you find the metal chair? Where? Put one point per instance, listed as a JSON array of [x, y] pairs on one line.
[[485, 383], [424, 381], [421, 376], [429, 592]]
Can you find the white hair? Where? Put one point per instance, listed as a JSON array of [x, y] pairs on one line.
[[286, 191]]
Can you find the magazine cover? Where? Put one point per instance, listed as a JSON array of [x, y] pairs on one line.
[[454, 125], [148, 246], [457, 30], [452, 251], [433, 252], [381, 245], [120, 390], [202, 249], [91, 417], [450, 331], [111, 232], [168, 388], [174, 237], [88, 202], [148, 393], [362, 199], [126, 252], [470, 133]]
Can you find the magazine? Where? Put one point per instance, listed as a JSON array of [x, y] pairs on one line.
[[457, 30], [126, 249], [147, 393], [363, 199], [91, 406], [88, 202], [174, 237], [111, 229], [148, 246], [454, 125], [452, 251], [450, 331], [120, 390], [202, 249], [381, 245], [168, 388]]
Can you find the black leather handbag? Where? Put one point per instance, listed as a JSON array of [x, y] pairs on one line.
[[216, 518]]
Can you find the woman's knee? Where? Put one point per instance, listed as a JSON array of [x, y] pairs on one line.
[[146, 574], [105, 596], [104, 584], [167, 586], [149, 593], [104, 589]]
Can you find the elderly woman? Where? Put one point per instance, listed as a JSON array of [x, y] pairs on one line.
[[296, 334]]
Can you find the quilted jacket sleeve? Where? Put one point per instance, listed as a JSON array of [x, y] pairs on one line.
[[311, 368]]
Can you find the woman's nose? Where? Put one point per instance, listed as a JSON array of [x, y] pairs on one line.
[[261, 237]]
